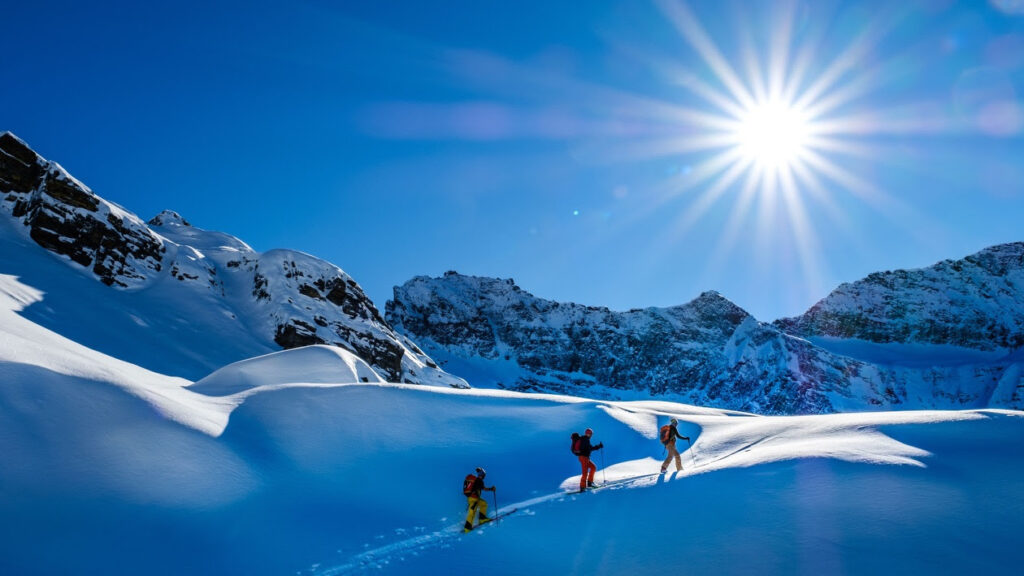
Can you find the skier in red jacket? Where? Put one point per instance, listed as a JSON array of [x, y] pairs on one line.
[[582, 449]]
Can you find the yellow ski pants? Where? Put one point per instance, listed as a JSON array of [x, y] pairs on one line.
[[476, 505]]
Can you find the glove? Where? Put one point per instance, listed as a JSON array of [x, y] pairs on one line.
[[493, 488], [599, 446]]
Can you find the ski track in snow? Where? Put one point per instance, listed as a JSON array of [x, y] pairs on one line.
[[726, 444], [382, 556]]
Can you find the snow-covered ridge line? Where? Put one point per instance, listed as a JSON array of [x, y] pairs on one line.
[[241, 302], [707, 352], [64, 216], [975, 302]]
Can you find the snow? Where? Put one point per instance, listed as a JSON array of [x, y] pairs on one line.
[[192, 342], [309, 364], [288, 464], [913, 355], [306, 462], [27, 348]]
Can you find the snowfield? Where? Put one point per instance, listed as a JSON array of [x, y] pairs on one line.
[[270, 466]]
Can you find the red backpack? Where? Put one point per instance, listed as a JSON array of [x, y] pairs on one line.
[[666, 434], [576, 440], [467, 485]]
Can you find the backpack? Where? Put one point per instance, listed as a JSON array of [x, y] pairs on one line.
[[576, 443], [467, 484], [666, 434]]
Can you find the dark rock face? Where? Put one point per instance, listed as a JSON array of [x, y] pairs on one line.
[[296, 334], [168, 218], [312, 302], [976, 302], [20, 169], [66, 218], [707, 352]]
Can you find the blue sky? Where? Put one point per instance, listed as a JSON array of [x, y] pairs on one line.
[[578, 147]]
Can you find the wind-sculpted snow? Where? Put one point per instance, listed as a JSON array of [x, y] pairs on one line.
[[309, 365], [131, 471], [201, 298], [708, 352], [29, 349]]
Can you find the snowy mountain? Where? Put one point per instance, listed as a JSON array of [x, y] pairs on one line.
[[307, 461], [268, 467], [175, 298], [706, 352], [976, 302]]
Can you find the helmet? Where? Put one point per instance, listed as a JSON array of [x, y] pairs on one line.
[[588, 432], [481, 472], [673, 422]]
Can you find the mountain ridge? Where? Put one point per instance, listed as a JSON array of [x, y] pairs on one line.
[[973, 302], [179, 284], [708, 351]]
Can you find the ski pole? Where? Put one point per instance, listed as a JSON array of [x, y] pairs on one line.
[[494, 494], [604, 479], [691, 453]]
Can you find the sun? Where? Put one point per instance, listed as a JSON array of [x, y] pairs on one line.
[[773, 134]]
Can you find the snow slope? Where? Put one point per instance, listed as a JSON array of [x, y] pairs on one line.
[[172, 297], [266, 468]]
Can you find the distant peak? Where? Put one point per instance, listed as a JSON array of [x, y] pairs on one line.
[[711, 300], [168, 218], [712, 297], [452, 275], [1010, 248]]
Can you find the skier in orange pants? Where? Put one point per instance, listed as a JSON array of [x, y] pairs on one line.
[[582, 450]]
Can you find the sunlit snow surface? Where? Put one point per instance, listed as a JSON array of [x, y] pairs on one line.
[[268, 466]]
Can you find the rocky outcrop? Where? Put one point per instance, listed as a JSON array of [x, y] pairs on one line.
[[309, 301], [62, 215], [976, 302]]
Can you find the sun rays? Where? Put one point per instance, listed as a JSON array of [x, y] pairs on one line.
[[778, 134], [776, 118], [779, 122]]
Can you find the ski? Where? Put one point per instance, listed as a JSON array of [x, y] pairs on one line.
[[503, 514], [618, 482]]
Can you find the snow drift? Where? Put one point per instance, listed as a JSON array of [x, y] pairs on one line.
[[117, 470]]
